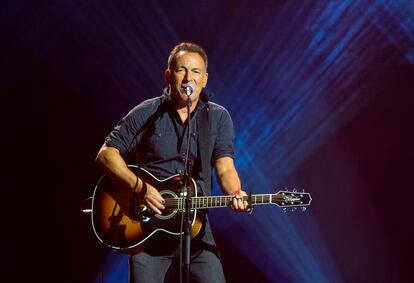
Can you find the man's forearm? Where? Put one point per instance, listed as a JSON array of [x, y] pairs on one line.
[[112, 163], [229, 182]]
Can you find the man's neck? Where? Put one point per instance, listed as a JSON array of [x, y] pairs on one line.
[[183, 112]]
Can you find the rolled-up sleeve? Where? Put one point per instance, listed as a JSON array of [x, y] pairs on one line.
[[125, 135]]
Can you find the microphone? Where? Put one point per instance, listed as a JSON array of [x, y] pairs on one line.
[[189, 88]]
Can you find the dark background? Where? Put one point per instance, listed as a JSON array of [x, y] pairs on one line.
[[321, 99]]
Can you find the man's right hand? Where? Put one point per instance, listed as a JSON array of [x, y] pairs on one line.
[[153, 199]]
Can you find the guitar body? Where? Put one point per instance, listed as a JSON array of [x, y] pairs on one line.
[[122, 223]]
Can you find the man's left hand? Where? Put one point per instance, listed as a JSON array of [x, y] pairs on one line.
[[238, 204]]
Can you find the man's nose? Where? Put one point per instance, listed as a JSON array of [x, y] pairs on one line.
[[188, 76]]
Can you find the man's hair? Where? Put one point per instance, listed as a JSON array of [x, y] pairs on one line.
[[189, 47]]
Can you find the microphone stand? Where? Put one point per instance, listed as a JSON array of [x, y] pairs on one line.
[[188, 194]]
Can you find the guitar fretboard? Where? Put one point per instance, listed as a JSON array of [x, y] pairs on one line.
[[220, 201]]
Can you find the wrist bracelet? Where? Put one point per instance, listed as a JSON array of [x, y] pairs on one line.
[[134, 190], [236, 192]]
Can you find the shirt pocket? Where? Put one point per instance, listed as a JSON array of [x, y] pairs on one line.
[[160, 143]]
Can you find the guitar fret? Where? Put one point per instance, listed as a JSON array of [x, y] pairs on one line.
[[261, 199]]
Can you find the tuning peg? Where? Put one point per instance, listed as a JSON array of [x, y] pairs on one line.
[[303, 208], [284, 210], [293, 209], [294, 190]]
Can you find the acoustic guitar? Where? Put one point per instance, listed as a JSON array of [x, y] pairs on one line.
[[124, 224]]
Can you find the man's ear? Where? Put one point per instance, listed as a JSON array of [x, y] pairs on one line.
[[167, 76], [205, 80]]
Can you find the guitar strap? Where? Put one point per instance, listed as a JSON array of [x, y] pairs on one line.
[[203, 143]]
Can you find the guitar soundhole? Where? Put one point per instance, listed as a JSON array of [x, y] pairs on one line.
[[167, 213]]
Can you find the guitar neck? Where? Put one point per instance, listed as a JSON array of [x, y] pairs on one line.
[[220, 201], [223, 201]]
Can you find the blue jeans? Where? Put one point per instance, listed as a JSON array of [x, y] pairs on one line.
[[205, 267]]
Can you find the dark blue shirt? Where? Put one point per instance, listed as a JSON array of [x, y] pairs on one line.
[[153, 136]]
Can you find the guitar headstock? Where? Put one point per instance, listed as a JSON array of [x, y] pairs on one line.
[[292, 199]]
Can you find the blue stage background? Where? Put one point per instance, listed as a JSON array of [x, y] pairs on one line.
[[321, 98]]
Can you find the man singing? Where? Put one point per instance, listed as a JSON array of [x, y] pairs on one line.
[[154, 135]]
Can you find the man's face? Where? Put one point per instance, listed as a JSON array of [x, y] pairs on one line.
[[186, 67]]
